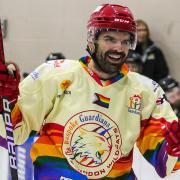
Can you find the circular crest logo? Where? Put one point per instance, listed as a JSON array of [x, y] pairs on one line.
[[92, 143]]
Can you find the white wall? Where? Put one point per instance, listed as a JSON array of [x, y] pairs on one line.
[[37, 27]]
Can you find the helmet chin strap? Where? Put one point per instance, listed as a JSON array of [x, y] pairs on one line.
[[92, 54]]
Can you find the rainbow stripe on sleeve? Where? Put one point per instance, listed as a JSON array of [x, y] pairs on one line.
[[47, 156], [151, 144]]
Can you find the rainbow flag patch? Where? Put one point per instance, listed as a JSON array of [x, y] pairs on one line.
[[101, 100]]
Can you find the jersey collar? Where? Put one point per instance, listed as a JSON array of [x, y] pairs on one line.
[[84, 62]]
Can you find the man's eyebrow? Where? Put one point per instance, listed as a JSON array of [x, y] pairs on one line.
[[108, 36], [111, 37]]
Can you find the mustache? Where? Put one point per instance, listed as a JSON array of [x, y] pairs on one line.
[[122, 54]]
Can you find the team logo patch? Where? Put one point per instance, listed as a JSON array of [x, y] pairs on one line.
[[92, 143], [135, 104], [64, 85], [101, 100]]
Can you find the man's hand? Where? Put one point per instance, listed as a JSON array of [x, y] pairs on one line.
[[9, 82], [171, 132]]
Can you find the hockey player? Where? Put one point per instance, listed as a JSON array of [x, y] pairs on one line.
[[90, 113]]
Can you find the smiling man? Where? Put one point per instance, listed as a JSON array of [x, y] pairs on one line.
[[89, 113], [110, 54]]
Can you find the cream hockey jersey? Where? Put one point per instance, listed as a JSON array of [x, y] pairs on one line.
[[88, 127]]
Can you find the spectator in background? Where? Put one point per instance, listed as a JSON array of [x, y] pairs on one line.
[[51, 56], [153, 60], [172, 90], [134, 62], [55, 56]]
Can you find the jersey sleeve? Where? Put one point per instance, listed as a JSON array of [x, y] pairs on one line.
[[151, 142], [35, 101]]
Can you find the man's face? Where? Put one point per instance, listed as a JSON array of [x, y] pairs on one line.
[[142, 33], [111, 50]]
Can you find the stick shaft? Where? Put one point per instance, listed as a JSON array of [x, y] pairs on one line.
[[8, 122]]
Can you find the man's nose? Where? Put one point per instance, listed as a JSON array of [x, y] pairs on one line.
[[118, 46]]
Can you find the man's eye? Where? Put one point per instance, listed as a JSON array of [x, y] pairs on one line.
[[126, 42], [110, 40]]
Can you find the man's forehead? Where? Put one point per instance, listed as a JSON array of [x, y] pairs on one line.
[[115, 34]]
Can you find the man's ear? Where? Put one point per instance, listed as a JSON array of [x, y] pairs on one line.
[[91, 47]]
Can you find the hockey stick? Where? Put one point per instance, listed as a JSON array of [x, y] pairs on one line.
[[8, 122]]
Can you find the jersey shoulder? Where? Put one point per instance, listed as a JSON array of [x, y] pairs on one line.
[[50, 74], [143, 82], [55, 68]]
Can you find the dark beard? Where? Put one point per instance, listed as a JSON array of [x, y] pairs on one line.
[[106, 66]]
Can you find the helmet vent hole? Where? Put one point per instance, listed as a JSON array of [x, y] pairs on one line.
[[102, 19]]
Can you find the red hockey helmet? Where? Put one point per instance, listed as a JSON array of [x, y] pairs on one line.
[[111, 17]]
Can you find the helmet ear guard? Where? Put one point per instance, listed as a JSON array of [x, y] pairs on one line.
[[133, 39], [91, 46]]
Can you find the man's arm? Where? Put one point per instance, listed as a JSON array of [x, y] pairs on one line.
[[35, 101], [152, 143]]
